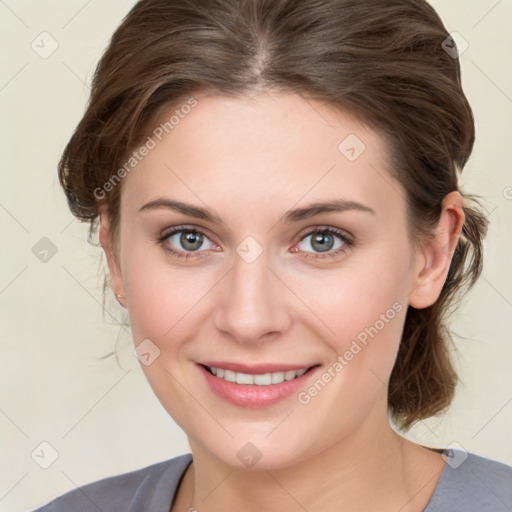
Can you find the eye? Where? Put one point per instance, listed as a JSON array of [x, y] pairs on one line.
[[324, 240], [187, 241]]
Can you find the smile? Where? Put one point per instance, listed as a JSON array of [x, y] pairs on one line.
[[256, 387]]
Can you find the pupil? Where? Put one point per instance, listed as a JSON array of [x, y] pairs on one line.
[[191, 238], [325, 242]]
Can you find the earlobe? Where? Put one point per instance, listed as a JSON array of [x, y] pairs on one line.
[[105, 236], [435, 256]]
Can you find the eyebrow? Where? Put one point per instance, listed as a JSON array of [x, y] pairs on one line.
[[295, 215]]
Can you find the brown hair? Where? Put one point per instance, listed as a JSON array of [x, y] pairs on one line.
[[384, 62]]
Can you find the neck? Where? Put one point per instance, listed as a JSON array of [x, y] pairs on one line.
[[374, 469]]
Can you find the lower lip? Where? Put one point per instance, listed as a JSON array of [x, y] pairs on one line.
[[254, 396]]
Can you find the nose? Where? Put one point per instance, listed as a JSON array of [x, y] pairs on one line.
[[252, 302]]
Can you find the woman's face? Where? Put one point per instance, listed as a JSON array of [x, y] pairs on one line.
[[259, 285]]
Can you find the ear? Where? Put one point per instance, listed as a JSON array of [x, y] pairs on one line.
[[434, 258], [106, 242]]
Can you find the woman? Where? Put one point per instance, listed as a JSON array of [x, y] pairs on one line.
[[275, 185]]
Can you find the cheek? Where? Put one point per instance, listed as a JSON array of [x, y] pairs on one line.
[[352, 300], [164, 299], [364, 307], [163, 308], [367, 316]]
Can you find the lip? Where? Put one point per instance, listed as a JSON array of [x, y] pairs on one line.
[[251, 395]]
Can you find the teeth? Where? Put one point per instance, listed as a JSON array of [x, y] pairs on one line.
[[244, 378], [229, 376], [289, 375], [277, 377], [265, 379]]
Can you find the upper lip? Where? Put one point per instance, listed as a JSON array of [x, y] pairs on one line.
[[255, 369]]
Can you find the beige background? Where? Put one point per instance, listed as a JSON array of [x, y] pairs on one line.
[[102, 418]]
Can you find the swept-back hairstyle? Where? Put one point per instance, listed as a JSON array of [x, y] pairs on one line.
[[390, 64]]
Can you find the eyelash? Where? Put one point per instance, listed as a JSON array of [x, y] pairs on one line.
[[347, 242]]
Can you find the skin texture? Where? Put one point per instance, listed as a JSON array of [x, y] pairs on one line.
[[249, 160]]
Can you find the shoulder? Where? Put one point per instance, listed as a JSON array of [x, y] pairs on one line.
[[149, 488], [470, 482]]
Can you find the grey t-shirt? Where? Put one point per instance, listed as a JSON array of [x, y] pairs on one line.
[[469, 483]]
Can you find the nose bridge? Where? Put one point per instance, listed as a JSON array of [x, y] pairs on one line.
[[252, 303]]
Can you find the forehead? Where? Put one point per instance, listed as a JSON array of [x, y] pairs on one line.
[[249, 153]]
